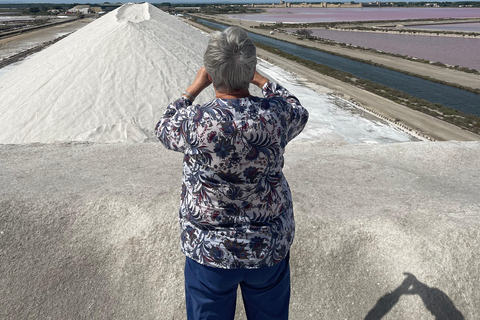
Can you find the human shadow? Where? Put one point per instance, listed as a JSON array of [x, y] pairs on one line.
[[435, 300]]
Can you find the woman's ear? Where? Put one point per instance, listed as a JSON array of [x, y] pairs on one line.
[[209, 78]]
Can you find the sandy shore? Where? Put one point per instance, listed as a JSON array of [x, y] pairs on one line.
[[405, 117]]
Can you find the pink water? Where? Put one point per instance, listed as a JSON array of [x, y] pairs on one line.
[[307, 15], [443, 49], [465, 27], [452, 51]]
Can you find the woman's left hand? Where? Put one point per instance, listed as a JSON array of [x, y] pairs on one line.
[[201, 82]]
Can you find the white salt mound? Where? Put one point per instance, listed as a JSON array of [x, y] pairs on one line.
[[81, 238], [108, 82]]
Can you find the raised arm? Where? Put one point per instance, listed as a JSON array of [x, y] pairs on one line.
[[202, 81], [297, 114], [173, 128], [259, 80]]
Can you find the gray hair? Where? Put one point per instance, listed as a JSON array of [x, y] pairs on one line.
[[230, 59]]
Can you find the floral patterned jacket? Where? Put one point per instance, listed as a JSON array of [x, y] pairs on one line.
[[236, 207]]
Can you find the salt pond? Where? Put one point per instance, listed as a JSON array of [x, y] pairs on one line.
[[462, 27], [432, 48], [308, 15]]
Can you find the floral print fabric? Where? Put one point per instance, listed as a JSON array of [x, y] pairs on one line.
[[236, 207]]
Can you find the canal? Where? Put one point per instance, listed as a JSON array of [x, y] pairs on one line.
[[445, 95]]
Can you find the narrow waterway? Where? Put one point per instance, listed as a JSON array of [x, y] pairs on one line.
[[445, 95]]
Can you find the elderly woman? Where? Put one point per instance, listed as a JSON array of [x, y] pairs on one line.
[[236, 212]]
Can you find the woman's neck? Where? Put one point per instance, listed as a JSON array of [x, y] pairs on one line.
[[232, 95]]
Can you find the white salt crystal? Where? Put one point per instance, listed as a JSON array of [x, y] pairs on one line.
[[110, 81]]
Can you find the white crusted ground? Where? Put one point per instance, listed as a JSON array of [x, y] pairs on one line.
[[90, 231]]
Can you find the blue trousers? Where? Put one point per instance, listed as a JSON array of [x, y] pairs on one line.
[[211, 293]]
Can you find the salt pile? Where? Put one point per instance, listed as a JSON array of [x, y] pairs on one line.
[[81, 238], [110, 81]]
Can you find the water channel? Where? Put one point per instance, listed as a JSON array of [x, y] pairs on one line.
[[445, 95]]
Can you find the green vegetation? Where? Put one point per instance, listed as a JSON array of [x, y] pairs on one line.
[[305, 33], [438, 64], [210, 8], [34, 8], [224, 9], [452, 4]]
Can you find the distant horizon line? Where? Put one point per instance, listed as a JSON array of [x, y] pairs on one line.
[[211, 2]]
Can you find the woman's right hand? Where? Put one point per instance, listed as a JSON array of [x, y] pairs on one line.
[[201, 82], [259, 80]]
